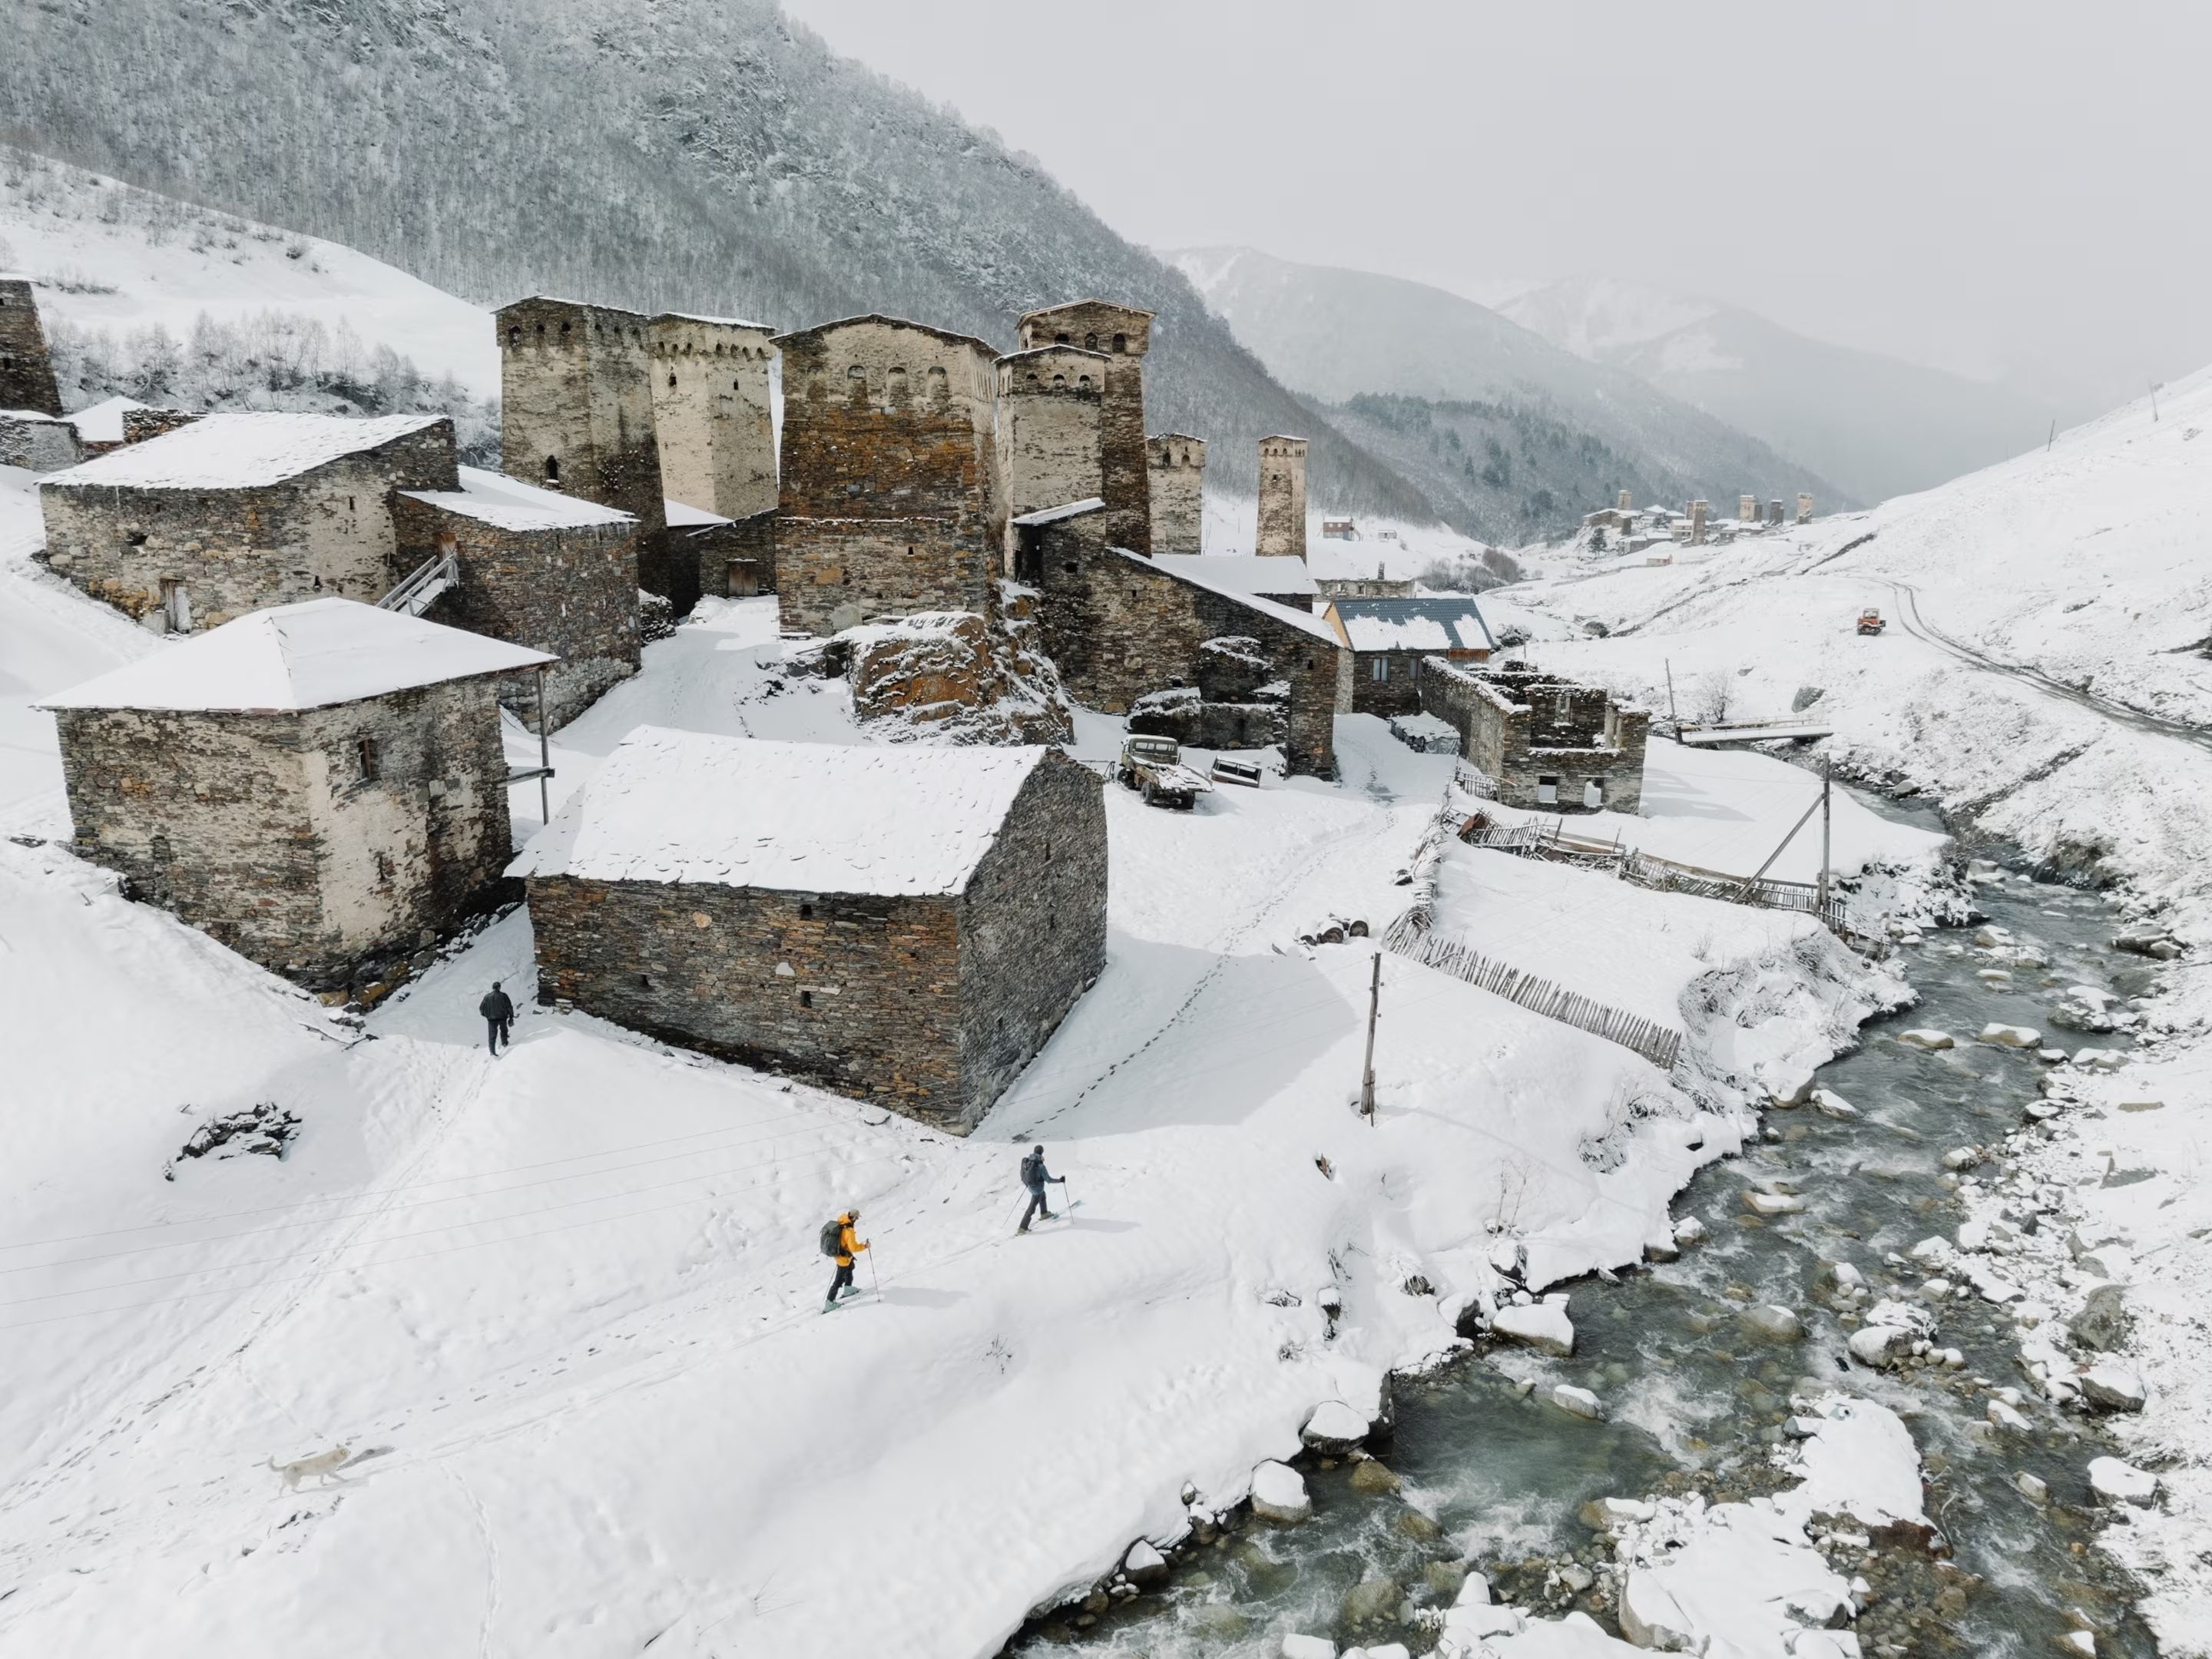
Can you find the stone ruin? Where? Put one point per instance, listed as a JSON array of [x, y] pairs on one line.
[[1238, 702], [949, 674]]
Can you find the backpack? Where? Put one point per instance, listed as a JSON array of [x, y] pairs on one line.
[[1033, 1171], [833, 1236]]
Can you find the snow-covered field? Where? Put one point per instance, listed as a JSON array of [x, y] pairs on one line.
[[109, 257], [570, 1300]]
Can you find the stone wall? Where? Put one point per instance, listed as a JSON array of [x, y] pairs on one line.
[[1396, 693], [1282, 531], [37, 445], [1032, 927], [260, 830], [735, 560], [929, 1006], [1047, 434], [890, 488], [1124, 334], [140, 424], [572, 592], [26, 372], [1520, 728], [1175, 470], [576, 405], [1119, 626], [326, 533], [711, 414]]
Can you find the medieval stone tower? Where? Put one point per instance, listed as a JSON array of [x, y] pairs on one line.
[[26, 373], [711, 413], [576, 397], [1175, 469], [1282, 498], [1123, 334], [1050, 408]]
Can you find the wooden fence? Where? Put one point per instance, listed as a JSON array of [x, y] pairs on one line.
[[1407, 937], [1539, 840]]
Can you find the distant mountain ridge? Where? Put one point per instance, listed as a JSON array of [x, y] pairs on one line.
[[1343, 335], [1879, 426], [701, 155]]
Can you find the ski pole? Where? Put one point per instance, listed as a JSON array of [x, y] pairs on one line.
[[875, 1283]]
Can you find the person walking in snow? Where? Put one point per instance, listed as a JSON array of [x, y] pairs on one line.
[[1034, 1175], [844, 1247], [499, 1014]]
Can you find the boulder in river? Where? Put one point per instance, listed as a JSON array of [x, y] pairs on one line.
[[2007, 1418], [2012, 1036], [2032, 1487], [1307, 1647], [2117, 1482], [1333, 1429], [1879, 1345], [1278, 1493], [1651, 1616], [1774, 1322], [1543, 1326], [2115, 1386], [1144, 1564], [2103, 1321], [1832, 1104], [1689, 1230], [1610, 1514], [1761, 1203], [1922, 1036], [1577, 1402]]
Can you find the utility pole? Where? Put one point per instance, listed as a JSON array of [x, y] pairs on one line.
[[2155, 385], [1367, 1072], [1828, 777], [2053, 438], [1672, 718], [544, 754]]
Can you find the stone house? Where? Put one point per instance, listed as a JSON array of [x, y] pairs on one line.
[[1388, 638], [1119, 625], [37, 442], [907, 925], [889, 499], [1380, 586], [1048, 432], [710, 555], [1286, 582], [1124, 334], [1174, 468], [321, 787], [1282, 525], [534, 568], [27, 372], [711, 414], [229, 514], [1545, 743], [100, 427]]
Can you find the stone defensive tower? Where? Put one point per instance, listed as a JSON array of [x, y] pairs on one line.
[[1746, 509], [1175, 467], [711, 413], [889, 501], [1282, 498], [1123, 333], [26, 372], [1804, 509], [576, 405], [1049, 429]]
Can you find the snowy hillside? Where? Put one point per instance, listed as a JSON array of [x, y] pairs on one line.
[[1877, 426], [562, 1309]]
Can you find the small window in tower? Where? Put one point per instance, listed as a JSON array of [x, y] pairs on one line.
[[514, 337], [1121, 343], [807, 998], [1059, 383], [1083, 383], [671, 380], [552, 469], [736, 386], [564, 330], [1090, 342], [806, 912], [365, 758]]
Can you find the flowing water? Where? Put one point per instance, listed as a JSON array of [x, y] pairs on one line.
[[1492, 1478]]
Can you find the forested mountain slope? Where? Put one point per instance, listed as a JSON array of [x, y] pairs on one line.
[[708, 155]]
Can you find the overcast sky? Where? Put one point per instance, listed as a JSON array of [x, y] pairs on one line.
[[2018, 190]]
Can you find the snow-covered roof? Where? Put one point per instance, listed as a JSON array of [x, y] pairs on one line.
[[29, 414], [682, 515], [309, 655], [1430, 624], [237, 452], [102, 424], [1245, 573], [807, 817], [494, 498], [1065, 510], [719, 322], [1079, 305], [1190, 568], [783, 341]]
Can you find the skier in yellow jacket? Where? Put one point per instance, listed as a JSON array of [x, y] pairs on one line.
[[844, 1247]]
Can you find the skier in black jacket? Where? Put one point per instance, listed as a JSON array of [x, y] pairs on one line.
[[1034, 1177], [499, 1014]]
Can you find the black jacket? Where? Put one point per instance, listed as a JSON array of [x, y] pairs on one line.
[[495, 1006]]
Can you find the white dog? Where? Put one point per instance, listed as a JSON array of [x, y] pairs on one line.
[[324, 1466]]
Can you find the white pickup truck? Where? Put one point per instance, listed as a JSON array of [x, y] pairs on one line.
[[1154, 767]]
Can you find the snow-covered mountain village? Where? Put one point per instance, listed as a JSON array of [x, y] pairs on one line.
[[826, 954]]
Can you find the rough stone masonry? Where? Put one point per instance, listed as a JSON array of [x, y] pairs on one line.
[[1124, 334], [27, 372], [1282, 531]]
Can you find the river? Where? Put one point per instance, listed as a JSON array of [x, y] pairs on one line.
[[1491, 1478]]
